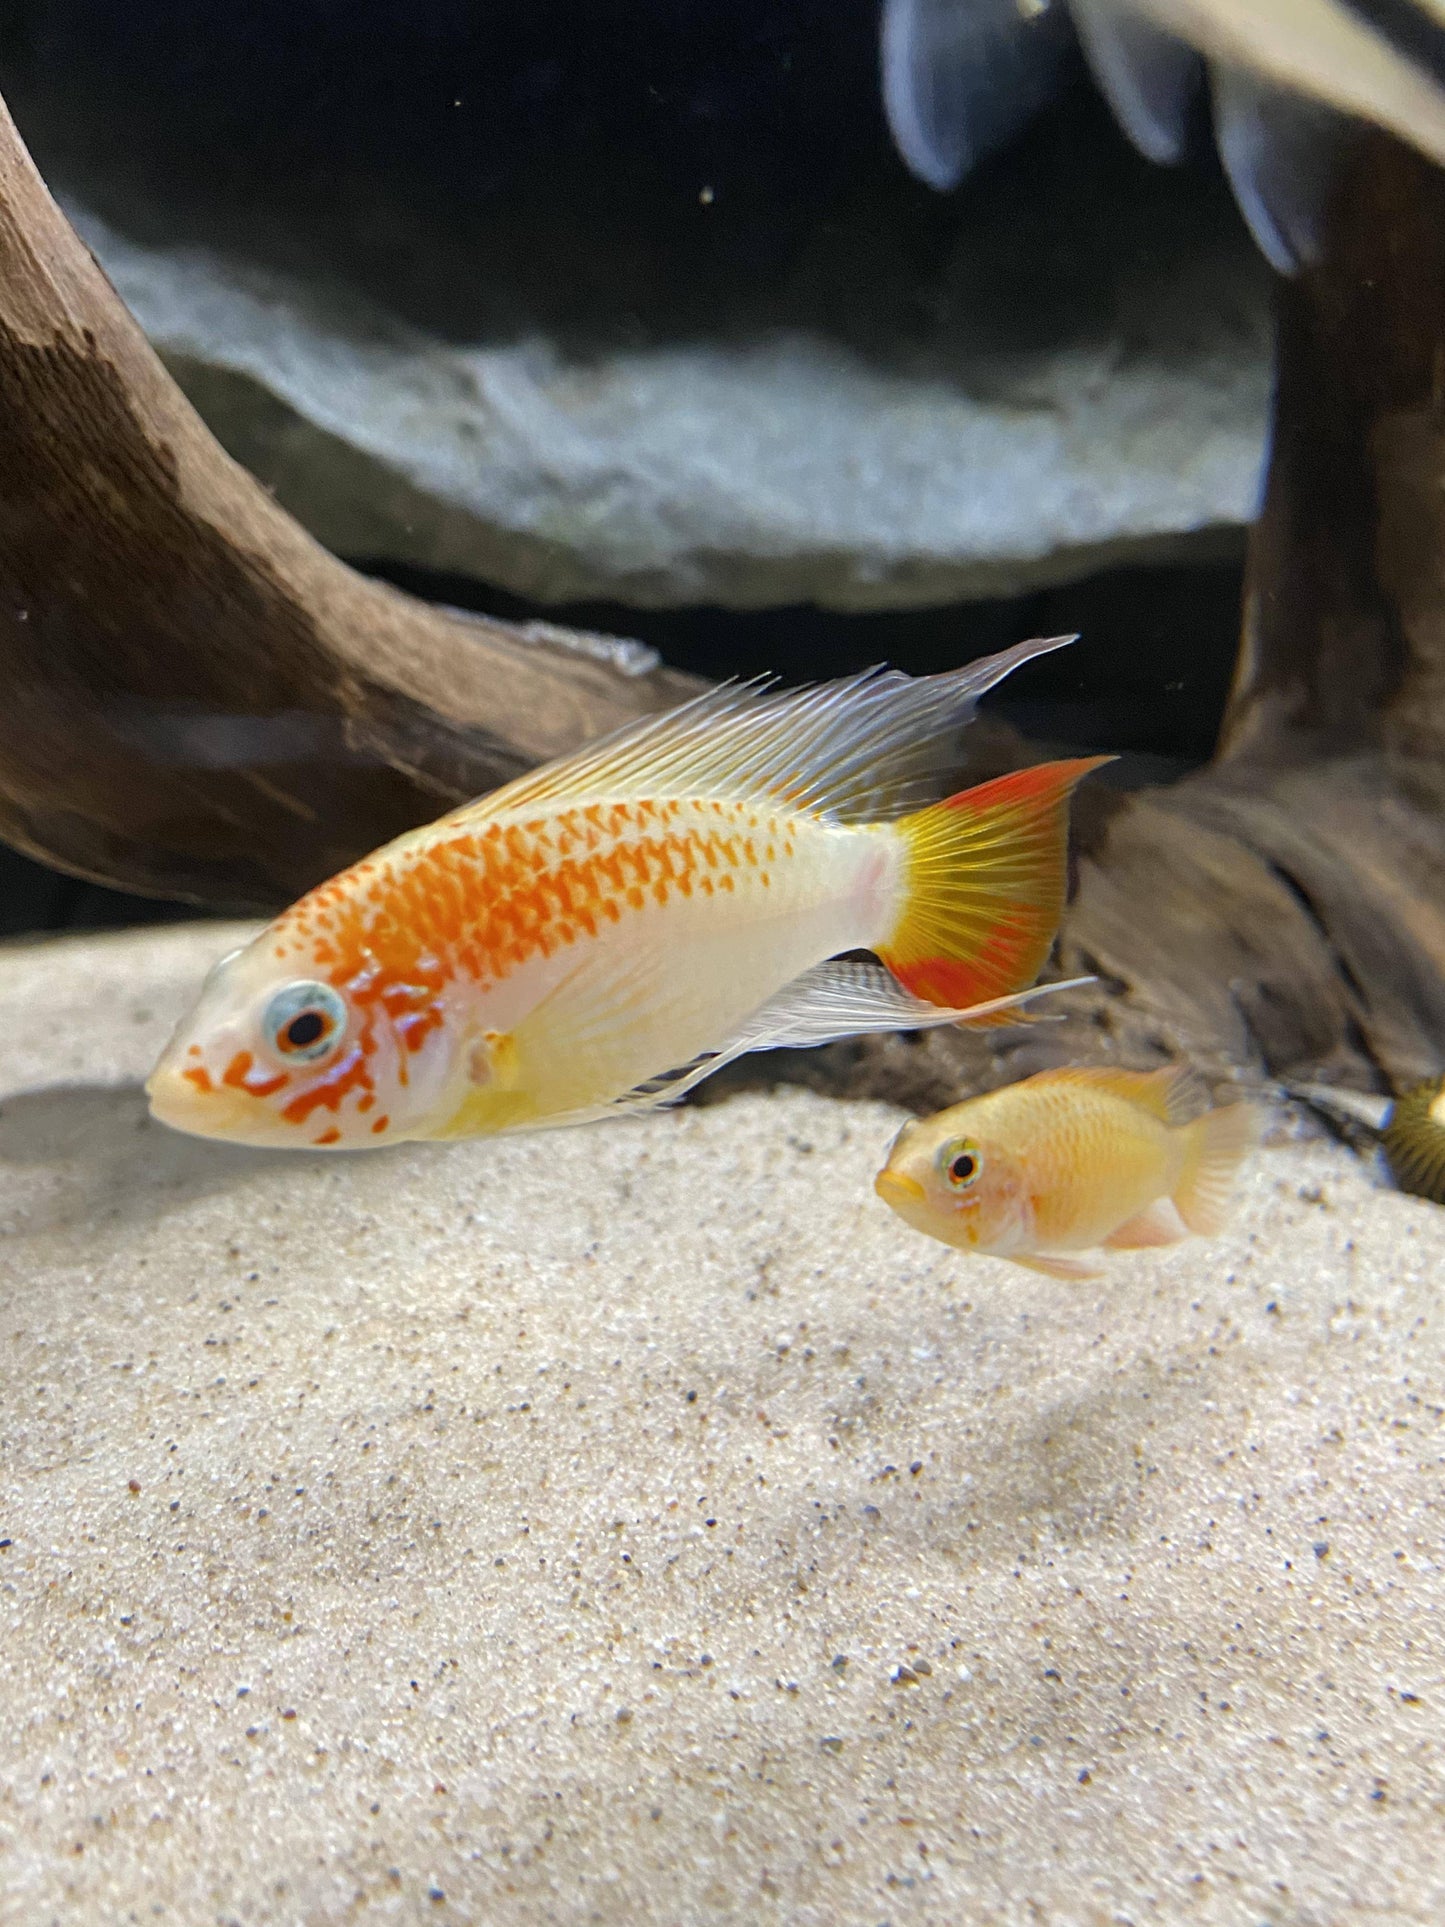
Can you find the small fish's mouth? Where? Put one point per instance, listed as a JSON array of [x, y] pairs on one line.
[[894, 1187]]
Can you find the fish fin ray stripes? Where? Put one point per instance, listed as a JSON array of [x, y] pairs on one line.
[[826, 1004], [1217, 1144], [1174, 1094], [962, 77], [1071, 1270], [862, 749], [1282, 155], [1149, 78], [850, 999], [985, 882], [1157, 1224]]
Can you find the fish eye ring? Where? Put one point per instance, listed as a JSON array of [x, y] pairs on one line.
[[304, 1022], [962, 1164]]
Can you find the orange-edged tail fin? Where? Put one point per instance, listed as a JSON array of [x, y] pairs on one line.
[[985, 881]]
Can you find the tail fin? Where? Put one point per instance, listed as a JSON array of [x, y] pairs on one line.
[[1216, 1145], [984, 886]]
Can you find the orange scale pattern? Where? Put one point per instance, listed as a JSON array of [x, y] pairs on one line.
[[480, 903]]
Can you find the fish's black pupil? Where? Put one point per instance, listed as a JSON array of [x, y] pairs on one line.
[[304, 1029], [963, 1167]]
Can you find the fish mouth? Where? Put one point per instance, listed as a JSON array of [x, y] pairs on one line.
[[174, 1103], [183, 1105], [894, 1187]]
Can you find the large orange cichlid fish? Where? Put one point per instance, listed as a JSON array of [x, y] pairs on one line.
[[602, 933]]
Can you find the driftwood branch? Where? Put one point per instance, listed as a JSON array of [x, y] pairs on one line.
[[1284, 910], [198, 700]]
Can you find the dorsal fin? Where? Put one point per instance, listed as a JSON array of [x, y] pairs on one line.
[[1173, 1094], [869, 747]]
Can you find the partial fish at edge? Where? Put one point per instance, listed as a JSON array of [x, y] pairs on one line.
[[960, 80], [1288, 76], [864, 749]]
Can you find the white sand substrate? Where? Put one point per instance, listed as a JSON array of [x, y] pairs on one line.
[[640, 1524]]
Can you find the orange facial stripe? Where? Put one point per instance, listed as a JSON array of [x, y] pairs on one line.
[[240, 1074], [198, 1075], [350, 1073]]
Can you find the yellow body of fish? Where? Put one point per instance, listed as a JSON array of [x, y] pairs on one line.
[[1069, 1161], [600, 934]]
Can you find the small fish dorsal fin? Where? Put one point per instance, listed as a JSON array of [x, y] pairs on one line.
[[869, 747], [1173, 1094]]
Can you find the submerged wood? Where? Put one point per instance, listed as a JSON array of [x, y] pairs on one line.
[[1283, 911], [199, 701]]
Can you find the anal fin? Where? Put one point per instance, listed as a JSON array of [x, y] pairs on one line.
[[1071, 1270], [1157, 1224], [826, 1004]]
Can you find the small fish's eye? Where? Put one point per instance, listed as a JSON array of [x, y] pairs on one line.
[[963, 1163], [304, 1021]]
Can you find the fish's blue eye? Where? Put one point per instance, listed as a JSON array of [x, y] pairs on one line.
[[963, 1164], [304, 1022]]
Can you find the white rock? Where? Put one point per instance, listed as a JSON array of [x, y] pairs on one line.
[[783, 469]]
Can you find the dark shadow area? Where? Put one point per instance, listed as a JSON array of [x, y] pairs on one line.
[[34, 897], [613, 173], [96, 1157]]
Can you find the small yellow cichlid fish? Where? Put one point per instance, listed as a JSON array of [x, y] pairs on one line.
[[1069, 1161], [601, 934]]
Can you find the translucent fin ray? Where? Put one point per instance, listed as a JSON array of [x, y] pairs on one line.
[[985, 884], [826, 1004], [862, 749], [1173, 1094], [1156, 1225], [1070, 1270], [1219, 1142]]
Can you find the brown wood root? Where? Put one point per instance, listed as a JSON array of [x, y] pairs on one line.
[[198, 701]]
